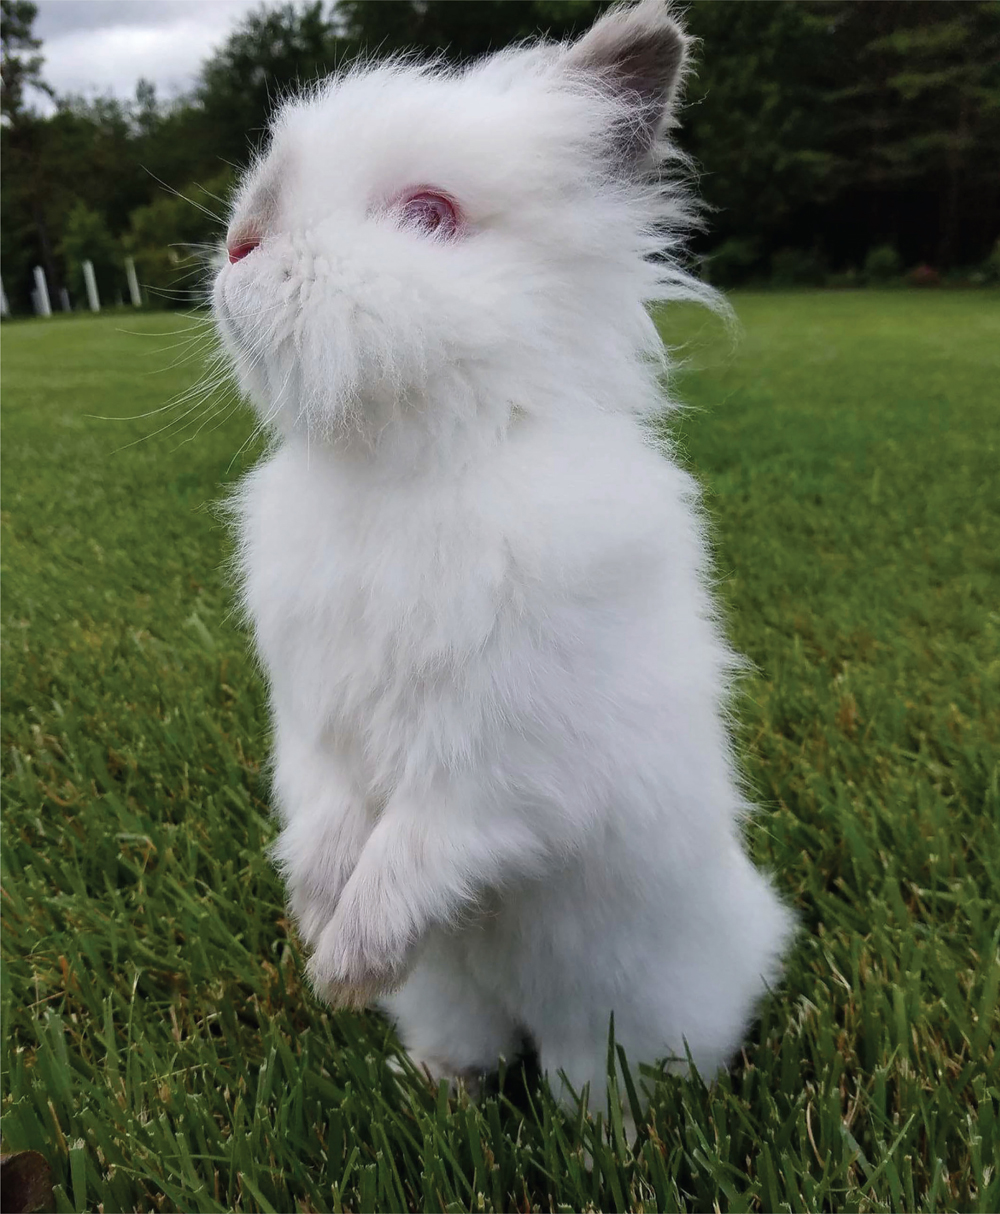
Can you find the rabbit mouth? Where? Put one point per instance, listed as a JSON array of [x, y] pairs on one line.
[[256, 301]]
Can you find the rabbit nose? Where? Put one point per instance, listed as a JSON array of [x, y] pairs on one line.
[[239, 250]]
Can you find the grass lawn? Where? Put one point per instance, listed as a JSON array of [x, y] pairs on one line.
[[160, 1046]]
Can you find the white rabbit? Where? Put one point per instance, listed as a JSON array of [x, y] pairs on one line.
[[478, 588]]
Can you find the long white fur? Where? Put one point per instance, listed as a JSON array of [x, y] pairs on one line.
[[479, 590]]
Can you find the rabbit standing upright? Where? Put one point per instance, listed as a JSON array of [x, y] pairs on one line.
[[507, 793]]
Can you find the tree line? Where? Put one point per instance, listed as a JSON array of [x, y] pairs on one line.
[[834, 138]]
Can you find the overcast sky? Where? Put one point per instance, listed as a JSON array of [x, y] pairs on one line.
[[100, 46]]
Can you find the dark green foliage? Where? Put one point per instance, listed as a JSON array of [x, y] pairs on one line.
[[172, 240], [161, 1049], [732, 261], [926, 109], [756, 119], [850, 124], [83, 155], [461, 32], [882, 264], [271, 53], [797, 268], [86, 238], [991, 266]]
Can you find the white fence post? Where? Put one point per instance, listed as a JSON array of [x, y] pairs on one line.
[[42, 305], [4, 306], [88, 276], [64, 299], [133, 283]]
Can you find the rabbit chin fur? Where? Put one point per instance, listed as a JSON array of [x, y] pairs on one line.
[[479, 590]]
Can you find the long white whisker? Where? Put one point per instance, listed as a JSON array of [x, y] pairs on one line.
[[170, 189], [180, 399]]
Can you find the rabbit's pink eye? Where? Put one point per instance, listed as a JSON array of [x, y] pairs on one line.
[[430, 212]]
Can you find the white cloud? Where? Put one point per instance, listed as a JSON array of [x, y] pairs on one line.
[[105, 47]]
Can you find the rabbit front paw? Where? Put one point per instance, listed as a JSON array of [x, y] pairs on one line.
[[363, 950]]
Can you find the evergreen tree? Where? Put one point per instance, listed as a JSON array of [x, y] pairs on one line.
[[20, 65], [270, 54]]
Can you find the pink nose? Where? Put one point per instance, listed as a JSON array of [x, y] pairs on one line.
[[238, 251]]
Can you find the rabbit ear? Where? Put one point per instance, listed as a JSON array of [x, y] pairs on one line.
[[639, 52]]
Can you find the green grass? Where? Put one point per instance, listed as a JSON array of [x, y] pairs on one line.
[[161, 1047]]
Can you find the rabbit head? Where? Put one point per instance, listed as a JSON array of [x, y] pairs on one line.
[[449, 244]]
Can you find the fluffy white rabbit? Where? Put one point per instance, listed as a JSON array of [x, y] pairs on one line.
[[478, 587]]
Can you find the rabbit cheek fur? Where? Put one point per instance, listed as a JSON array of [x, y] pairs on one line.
[[506, 789]]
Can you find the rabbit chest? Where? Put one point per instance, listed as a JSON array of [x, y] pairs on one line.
[[375, 609]]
